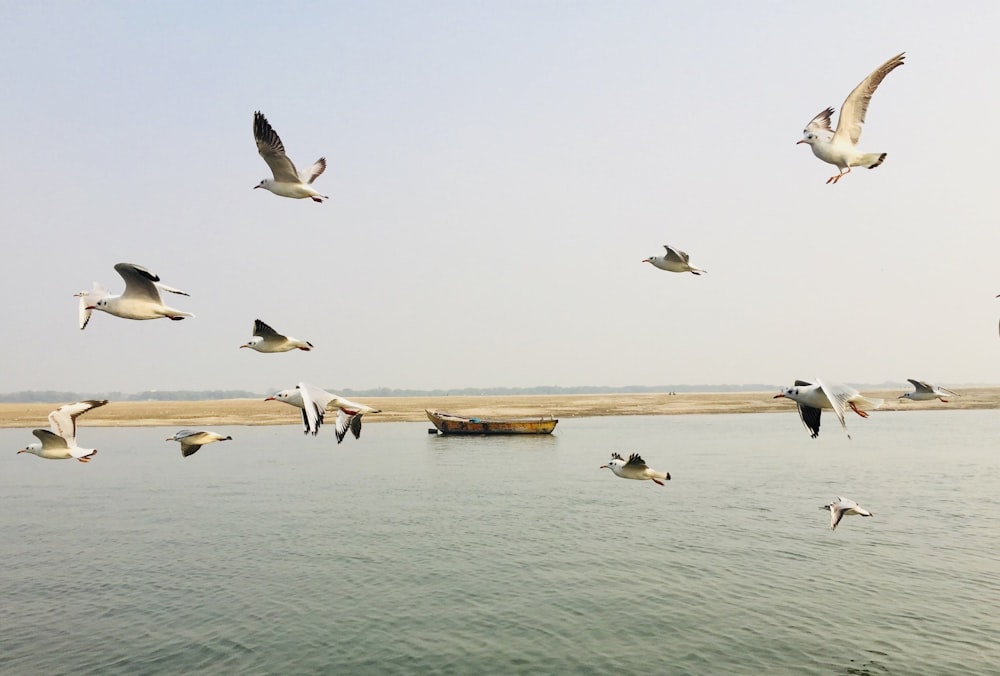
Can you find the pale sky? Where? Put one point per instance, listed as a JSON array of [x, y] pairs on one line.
[[497, 171]]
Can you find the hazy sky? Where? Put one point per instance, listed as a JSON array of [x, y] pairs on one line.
[[497, 171]]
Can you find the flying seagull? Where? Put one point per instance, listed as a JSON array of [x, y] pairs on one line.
[[59, 443], [635, 468], [839, 147], [812, 398], [266, 339], [140, 300], [192, 440], [674, 260], [287, 182], [844, 507], [314, 403], [925, 391]]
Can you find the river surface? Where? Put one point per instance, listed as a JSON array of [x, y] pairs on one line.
[[408, 553]]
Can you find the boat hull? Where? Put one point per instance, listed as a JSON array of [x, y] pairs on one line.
[[447, 423]]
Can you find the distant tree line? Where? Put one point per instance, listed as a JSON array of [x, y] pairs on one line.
[[53, 396]]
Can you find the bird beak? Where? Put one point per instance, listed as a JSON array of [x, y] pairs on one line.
[[255, 187], [270, 399], [800, 141], [243, 346], [778, 396], [169, 439], [603, 467], [644, 260], [19, 452], [90, 307]]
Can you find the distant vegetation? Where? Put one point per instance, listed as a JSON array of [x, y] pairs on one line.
[[33, 396]]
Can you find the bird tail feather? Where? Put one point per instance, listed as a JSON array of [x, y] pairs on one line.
[[872, 160]]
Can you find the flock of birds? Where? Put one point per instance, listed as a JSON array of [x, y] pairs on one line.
[[141, 299]]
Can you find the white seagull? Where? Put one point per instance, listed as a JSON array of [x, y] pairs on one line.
[[140, 300], [635, 468], [925, 391], [840, 147], [844, 507], [60, 442], [88, 299], [314, 403], [674, 260], [811, 399], [266, 339], [287, 182], [192, 440]]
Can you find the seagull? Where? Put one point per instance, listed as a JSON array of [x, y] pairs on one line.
[[287, 182], [925, 391], [813, 398], [844, 507], [314, 403], [840, 147], [140, 300], [88, 300], [60, 442], [674, 260], [192, 440], [635, 468], [266, 339]]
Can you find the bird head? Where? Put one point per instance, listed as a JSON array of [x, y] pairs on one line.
[[31, 448], [647, 260], [252, 342], [264, 183], [808, 137]]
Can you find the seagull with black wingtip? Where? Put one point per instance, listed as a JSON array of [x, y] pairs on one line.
[[635, 468]]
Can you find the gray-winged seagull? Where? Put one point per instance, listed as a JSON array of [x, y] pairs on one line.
[[674, 260], [287, 182], [635, 468], [192, 440], [812, 398], [266, 339], [140, 299], [59, 443], [844, 507], [314, 403], [840, 147]]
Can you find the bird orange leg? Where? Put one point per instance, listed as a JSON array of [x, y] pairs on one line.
[[834, 179], [857, 410]]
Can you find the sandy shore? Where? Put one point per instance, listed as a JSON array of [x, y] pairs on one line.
[[411, 409]]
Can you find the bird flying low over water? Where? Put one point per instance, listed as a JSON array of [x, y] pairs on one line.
[[314, 403], [812, 398], [674, 260], [192, 440], [287, 181], [139, 300], [635, 468], [266, 339], [844, 507], [840, 147], [926, 391], [59, 443]]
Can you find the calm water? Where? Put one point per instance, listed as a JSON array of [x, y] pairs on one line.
[[403, 552]]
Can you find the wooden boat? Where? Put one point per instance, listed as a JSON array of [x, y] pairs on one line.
[[446, 423]]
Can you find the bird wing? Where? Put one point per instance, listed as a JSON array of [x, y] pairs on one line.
[[271, 148], [675, 255], [264, 331], [838, 396], [810, 418], [170, 289], [189, 449], [820, 123], [920, 385], [63, 419], [140, 283], [50, 439], [313, 172], [852, 113], [345, 422], [635, 460], [836, 514], [314, 403], [947, 391], [802, 383], [616, 456]]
